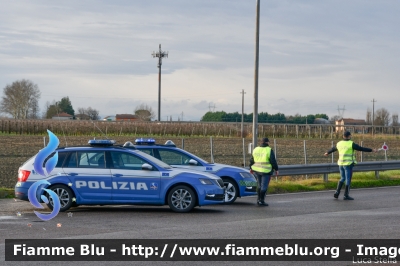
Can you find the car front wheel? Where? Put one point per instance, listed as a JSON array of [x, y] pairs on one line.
[[181, 199], [231, 191], [64, 194]]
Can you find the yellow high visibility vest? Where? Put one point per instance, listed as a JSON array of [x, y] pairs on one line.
[[261, 157], [346, 152]]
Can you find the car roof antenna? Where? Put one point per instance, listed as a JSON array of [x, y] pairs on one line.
[[99, 129]]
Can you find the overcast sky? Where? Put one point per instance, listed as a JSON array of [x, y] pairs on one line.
[[315, 56]]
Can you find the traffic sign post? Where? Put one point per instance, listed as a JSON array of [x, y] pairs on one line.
[[384, 148]]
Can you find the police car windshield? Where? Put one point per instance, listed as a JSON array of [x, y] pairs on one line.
[[195, 157], [154, 160]]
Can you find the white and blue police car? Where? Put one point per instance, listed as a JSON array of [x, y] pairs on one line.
[[105, 174], [238, 182]]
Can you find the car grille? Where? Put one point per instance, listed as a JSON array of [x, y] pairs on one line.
[[220, 182]]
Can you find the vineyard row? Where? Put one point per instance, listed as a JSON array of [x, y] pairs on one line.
[[181, 129]]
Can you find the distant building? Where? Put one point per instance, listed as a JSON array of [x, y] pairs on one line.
[[82, 117], [109, 118], [126, 117], [349, 124], [63, 116]]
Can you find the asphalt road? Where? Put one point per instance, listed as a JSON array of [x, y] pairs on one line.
[[374, 214]]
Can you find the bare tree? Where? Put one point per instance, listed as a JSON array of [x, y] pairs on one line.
[[395, 119], [144, 112], [82, 111], [92, 113], [46, 107], [34, 113], [88, 113], [382, 117], [20, 99], [368, 118]]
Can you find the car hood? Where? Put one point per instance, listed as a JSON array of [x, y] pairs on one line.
[[184, 171], [218, 167]]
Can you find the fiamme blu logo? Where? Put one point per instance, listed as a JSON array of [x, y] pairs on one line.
[[49, 166]]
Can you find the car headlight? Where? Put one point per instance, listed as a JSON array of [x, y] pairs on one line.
[[206, 181], [247, 175]]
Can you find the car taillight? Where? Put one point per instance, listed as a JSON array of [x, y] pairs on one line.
[[23, 175]]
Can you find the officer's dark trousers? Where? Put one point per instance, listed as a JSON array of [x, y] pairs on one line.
[[263, 182], [346, 173]]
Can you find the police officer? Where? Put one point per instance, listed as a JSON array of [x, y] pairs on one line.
[[347, 160], [263, 164]]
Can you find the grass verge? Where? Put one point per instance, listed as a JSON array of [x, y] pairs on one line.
[[359, 180], [6, 193]]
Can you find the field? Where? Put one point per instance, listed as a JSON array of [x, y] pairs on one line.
[[16, 149]]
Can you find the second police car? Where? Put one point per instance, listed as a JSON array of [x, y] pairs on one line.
[[239, 182], [101, 174]]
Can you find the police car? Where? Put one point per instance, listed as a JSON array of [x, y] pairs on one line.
[[239, 182], [102, 173]]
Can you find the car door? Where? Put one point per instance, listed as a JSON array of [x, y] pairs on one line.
[[130, 182], [179, 159], [89, 175]]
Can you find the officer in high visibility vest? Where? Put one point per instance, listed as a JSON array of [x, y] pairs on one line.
[[347, 159], [263, 164]]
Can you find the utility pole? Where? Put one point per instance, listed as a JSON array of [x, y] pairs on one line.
[[373, 114], [243, 93], [160, 54], [255, 110]]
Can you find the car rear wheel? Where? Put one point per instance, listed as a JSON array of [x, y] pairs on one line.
[[231, 191], [181, 199], [64, 194]]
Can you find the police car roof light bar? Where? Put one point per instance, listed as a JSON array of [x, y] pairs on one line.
[[144, 141], [101, 142]]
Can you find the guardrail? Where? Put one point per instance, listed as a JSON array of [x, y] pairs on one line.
[[329, 168]]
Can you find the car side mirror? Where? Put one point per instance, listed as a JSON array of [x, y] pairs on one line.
[[192, 162], [147, 166]]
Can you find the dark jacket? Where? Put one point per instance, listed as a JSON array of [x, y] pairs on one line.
[[355, 147], [272, 160]]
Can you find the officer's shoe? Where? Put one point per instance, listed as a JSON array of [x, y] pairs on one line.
[[346, 194], [337, 192], [262, 203]]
